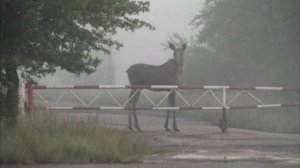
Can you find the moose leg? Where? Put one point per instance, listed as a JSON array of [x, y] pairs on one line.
[[174, 122], [129, 120], [130, 105], [137, 126], [172, 104], [167, 121], [135, 96], [168, 112]]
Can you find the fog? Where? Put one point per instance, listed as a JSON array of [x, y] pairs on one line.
[[141, 46], [236, 43], [248, 50]]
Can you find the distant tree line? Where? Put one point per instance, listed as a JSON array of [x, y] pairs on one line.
[[245, 42]]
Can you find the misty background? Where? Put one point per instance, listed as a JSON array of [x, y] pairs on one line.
[[140, 46], [243, 43], [230, 42]]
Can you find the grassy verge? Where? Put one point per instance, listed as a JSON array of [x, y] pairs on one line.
[[284, 120], [47, 138]]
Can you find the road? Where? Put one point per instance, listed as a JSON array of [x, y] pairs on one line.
[[201, 145]]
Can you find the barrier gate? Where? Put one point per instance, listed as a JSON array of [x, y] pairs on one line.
[[224, 96]]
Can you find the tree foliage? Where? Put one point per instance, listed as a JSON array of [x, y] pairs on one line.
[[42, 35], [38, 36], [247, 42]]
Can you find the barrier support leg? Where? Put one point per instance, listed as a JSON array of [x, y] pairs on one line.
[[223, 122]]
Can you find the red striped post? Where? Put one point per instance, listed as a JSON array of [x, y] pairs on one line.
[[212, 87], [169, 108], [30, 97], [169, 87]]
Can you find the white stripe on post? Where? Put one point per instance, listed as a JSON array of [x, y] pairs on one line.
[[165, 108], [59, 86], [268, 105], [215, 87], [111, 108], [59, 108], [268, 88], [112, 86], [164, 86], [212, 108]]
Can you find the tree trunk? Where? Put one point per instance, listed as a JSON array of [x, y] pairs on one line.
[[12, 96], [2, 101], [2, 91]]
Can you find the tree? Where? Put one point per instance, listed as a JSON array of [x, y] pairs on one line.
[[248, 42], [38, 36]]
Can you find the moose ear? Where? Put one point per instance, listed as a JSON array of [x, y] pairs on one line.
[[171, 45], [183, 46]]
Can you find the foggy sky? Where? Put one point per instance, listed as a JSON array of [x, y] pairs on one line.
[[143, 45]]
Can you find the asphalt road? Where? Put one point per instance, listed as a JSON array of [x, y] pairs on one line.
[[200, 145]]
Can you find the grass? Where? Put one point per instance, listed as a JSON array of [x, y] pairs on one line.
[[48, 138], [279, 120]]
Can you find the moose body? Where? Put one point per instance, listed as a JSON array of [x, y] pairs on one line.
[[169, 73], [144, 74]]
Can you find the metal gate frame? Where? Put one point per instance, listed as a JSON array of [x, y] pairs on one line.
[[224, 102]]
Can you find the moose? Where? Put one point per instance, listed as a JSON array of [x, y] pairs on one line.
[[169, 73]]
